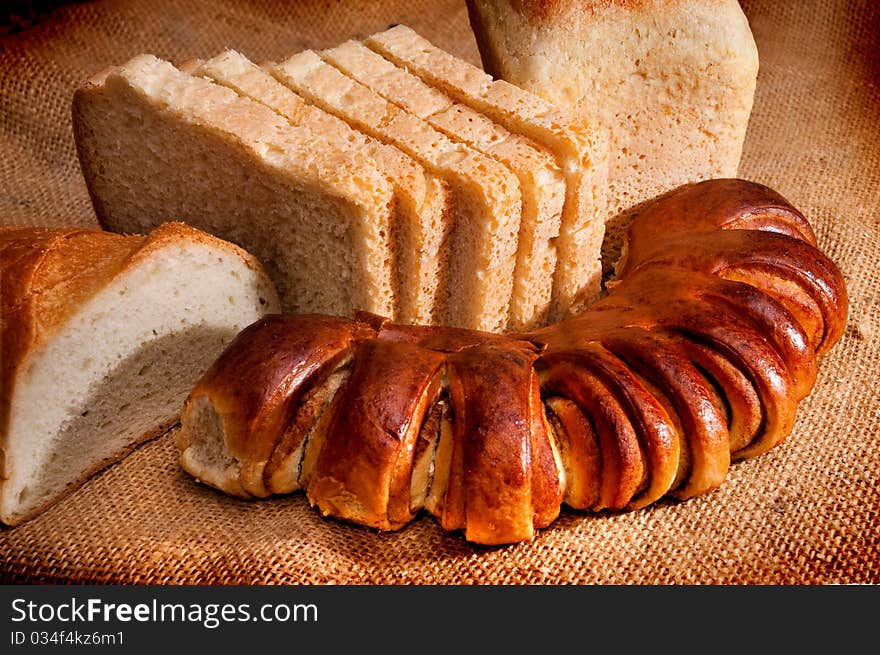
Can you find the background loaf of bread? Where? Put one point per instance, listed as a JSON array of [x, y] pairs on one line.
[[671, 80]]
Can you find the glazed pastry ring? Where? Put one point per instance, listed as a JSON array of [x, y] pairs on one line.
[[698, 355]]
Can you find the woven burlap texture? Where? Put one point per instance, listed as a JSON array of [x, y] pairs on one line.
[[805, 513]]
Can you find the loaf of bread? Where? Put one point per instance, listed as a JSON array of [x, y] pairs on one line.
[[672, 81], [158, 144], [421, 191], [698, 355], [103, 337]]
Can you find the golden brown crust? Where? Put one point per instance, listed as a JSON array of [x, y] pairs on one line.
[[489, 391], [554, 15], [283, 359], [700, 352], [622, 472], [579, 446], [365, 463]]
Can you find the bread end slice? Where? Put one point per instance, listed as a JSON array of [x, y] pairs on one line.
[[115, 330]]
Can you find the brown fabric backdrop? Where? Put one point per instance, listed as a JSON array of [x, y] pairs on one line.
[[805, 513]]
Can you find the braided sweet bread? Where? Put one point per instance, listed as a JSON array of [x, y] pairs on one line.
[[698, 355]]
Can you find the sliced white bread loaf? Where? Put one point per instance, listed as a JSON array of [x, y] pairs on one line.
[[421, 217], [673, 82], [158, 144], [542, 185], [487, 210], [103, 337], [579, 145]]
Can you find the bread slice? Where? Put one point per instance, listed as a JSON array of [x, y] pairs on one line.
[[542, 185], [673, 83], [487, 210], [422, 205], [156, 144], [104, 336], [579, 145]]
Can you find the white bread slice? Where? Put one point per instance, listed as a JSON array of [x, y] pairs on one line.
[[580, 148], [482, 245], [158, 144], [541, 182], [422, 201], [114, 330], [673, 82]]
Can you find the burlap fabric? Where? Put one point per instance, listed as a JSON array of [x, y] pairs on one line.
[[806, 513]]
